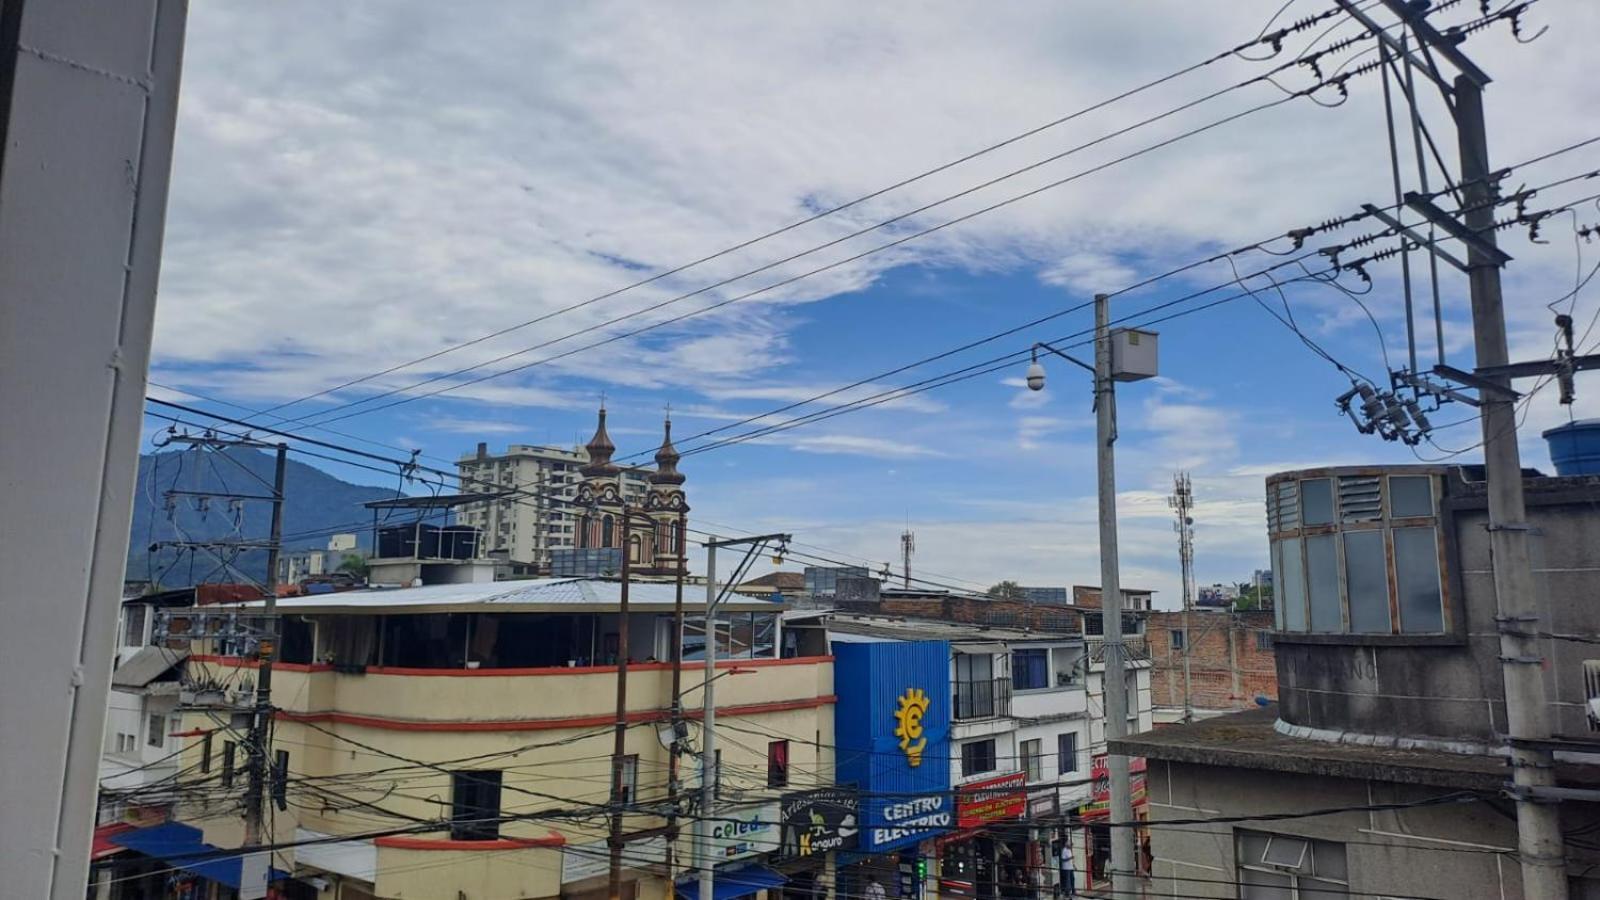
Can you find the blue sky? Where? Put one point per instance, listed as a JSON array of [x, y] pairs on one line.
[[361, 195]]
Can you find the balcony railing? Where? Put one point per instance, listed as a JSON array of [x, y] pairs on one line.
[[983, 699]]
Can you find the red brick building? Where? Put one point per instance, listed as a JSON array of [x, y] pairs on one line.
[[1231, 659]]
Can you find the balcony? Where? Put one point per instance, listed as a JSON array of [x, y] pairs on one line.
[[983, 699]]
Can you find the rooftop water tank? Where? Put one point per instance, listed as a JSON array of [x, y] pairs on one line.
[[1575, 447]]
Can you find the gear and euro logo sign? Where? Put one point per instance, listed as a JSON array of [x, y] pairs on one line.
[[911, 707]]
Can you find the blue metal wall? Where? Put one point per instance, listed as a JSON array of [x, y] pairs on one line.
[[901, 803]]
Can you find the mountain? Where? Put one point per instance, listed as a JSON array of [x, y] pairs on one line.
[[315, 504]]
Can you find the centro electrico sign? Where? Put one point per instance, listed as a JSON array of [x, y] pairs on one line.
[[892, 729], [912, 818]]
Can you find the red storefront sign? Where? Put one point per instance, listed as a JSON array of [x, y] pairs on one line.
[[991, 800], [1099, 804]]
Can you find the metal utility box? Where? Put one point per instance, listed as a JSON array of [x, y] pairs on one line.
[[1133, 354]]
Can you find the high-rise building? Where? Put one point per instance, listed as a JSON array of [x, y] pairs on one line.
[[528, 525]]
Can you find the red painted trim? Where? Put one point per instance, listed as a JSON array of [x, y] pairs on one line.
[[592, 670], [241, 662], [403, 842], [651, 715]]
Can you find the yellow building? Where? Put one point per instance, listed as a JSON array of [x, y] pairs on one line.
[[476, 723]]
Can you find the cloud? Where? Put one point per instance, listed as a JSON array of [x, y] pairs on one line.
[[473, 426], [856, 445]]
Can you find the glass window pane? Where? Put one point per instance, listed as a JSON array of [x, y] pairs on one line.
[[1410, 495], [1366, 578], [1292, 580], [1277, 578], [766, 630], [1328, 860], [1316, 499], [1251, 846], [1416, 564], [1255, 885], [1317, 889], [1322, 578], [1286, 852]]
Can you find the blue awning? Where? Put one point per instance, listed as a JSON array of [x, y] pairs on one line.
[[737, 883], [180, 846]]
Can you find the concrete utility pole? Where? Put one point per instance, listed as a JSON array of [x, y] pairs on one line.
[[1182, 503], [708, 720], [1123, 867], [619, 740], [1140, 351], [88, 103], [261, 724], [1540, 846]]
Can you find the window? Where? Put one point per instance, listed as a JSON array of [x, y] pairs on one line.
[[126, 743], [1033, 761], [475, 805], [280, 779], [605, 531], [133, 616], [1067, 660], [629, 777], [1178, 638], [777, 764], [1263, 640], [1030, 669], [1275, 866], [157, 734], [977, 757], [1359, 553], [205, 753], [1067, 750], [227, 763]]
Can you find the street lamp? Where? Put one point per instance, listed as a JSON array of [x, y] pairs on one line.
[[1121, 355]]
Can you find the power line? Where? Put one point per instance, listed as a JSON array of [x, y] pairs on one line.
[[1274, 41]]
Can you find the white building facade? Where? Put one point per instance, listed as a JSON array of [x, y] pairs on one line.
[[526, 527]]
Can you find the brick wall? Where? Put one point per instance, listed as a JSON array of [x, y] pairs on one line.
[[1228, 665], [996, 613]]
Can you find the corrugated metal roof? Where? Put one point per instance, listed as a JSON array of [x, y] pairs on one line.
[[146, 666], [514, 596]]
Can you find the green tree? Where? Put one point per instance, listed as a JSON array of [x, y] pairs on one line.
[[1005, 590], [354, 564]]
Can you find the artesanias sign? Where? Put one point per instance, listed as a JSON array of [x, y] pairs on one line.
[[815, 822]]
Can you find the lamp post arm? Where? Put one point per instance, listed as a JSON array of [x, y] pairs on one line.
[[1066, 356]]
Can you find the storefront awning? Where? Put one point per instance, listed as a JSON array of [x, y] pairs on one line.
[[103, 845], [180, 846], [728, 885]]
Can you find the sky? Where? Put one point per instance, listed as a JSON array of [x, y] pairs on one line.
[[358, 186]]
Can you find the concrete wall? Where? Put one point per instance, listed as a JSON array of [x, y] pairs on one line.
[[1449, 688], [1455, 850]]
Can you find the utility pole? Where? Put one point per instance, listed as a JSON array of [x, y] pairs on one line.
[[620, 729], [1140, 362], [261, 723], [1123, 867], [1541, 849], [908, 546], [1540, 845], [673, 786], [1182, 503], [708, 714]]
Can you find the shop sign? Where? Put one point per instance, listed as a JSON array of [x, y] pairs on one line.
[[815, 822], [1042, 804], [737, 833], [1100, 788], [992, 800], [914, 817]]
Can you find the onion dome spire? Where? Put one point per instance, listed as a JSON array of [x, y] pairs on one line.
[[600, 449], [667, 460]]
